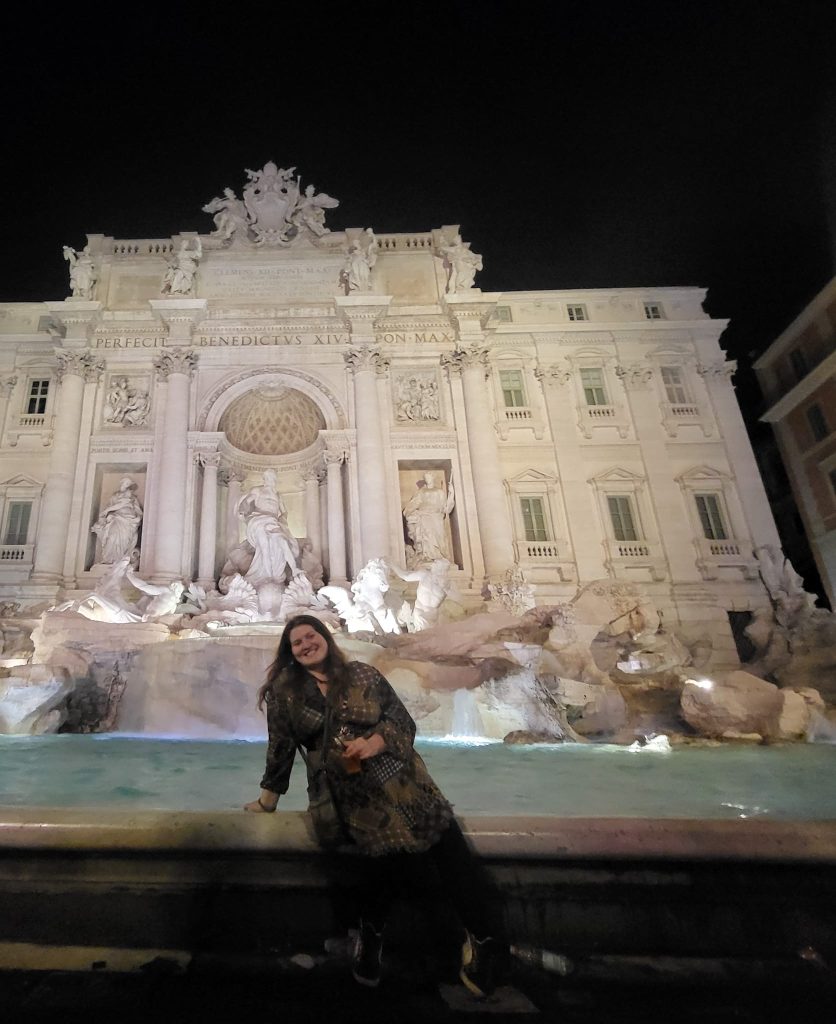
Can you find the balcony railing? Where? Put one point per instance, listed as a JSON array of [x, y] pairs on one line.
[[682, 410], [33, 420], [624, 555], [596, 413], [725, 554], [592, 416], [631, 549], [143, 247], [538, 550], [518, 414], [16, 553]]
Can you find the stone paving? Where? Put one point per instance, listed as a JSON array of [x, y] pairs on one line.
[[254, 990]]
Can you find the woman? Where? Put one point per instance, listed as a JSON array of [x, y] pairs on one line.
[[390, 809]]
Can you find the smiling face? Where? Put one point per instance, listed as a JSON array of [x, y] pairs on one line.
[[308, 647]]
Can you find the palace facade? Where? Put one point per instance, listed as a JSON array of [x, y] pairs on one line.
[[584, 434]]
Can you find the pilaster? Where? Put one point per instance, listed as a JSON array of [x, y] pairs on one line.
[[491, 504]]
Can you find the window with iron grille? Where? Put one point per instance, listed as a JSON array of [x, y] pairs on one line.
[[653, 311], [577, 312]]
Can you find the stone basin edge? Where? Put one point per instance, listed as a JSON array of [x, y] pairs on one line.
[[98, 830]]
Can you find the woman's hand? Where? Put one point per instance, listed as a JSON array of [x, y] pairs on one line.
[[265, 804], [363, 747]]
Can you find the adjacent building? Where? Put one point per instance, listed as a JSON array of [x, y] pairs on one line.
[[797, 374]]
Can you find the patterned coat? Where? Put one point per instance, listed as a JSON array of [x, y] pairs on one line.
[[392, 804]]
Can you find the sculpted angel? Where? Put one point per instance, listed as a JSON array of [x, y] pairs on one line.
[[310, 211], [230, 215]]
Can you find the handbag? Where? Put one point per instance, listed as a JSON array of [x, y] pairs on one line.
[[328, 823]]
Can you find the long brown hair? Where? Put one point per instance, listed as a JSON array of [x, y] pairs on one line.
[[286, 670]]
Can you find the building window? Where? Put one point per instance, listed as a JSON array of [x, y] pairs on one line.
[[653, 311], [577, 312], [17, 522], [711, 517], [799, 363], [503, 314], [534, 519], [36, 403], [592, 381], [818, 423], [623, 519], [674, 385], [512, 388]]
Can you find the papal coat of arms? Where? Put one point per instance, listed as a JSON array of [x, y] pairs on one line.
[[273, 210]]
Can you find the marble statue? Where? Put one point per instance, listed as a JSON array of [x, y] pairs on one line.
[[230, 215], [160, 599], [179, 278], [361, 258], [367, 607], [126, 404], [275, 549], [434, 586], [108, 602], [118, 525], [463, 264], [311, 565], [425, 514], [310, 211], [82, 272]]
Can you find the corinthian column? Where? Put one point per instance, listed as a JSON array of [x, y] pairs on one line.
[[311, 476], [365, 363], [491, 505], [175, 366], [336, 517], [208, 520], [74, 367]]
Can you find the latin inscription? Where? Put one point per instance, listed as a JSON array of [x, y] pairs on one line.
[[250, 340], [415, 338], [285, 281], [126, 341]]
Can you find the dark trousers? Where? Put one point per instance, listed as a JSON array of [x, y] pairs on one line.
[[449, 865]]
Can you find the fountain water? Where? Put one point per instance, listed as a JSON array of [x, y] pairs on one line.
[[467, 722]]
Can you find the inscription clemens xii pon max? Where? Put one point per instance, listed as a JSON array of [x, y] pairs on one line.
[[255, 340]]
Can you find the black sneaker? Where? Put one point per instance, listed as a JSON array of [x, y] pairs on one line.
[[479, 961], [368, 949]]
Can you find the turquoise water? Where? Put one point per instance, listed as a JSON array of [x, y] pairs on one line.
[[784, 782]]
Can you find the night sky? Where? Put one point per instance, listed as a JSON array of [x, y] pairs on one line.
[[577, 144]]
